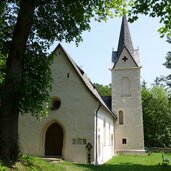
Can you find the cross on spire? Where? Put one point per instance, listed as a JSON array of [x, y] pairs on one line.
[[124, 58]]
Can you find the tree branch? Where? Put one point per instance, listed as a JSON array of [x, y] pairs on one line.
[[2, 1]]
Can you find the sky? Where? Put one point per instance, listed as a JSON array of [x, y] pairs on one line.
[[93, 55]]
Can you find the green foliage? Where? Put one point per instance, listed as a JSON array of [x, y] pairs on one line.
[[3, 168], [150, 162], [168, 60], [103, 90], [37, 83], [167, 64], [28, 162], [57, 20], [38, 164], [154, 8], [157, 116], [2, 73], [2, 69]]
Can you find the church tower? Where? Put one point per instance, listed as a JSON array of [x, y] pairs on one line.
[[126, 94]]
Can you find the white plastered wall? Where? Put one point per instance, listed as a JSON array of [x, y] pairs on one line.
[[105, 136], [76, 115]]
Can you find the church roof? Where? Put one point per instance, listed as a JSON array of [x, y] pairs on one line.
[[108, 101], [87, 82], [125, 38]]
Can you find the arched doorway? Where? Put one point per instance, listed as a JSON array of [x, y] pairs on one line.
[[54, 140]]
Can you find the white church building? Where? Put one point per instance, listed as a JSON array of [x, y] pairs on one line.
[[81, 125]]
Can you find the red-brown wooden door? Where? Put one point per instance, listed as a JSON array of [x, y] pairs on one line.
[[54, 140]]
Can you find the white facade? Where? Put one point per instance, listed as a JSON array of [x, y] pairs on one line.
[[76, 118]]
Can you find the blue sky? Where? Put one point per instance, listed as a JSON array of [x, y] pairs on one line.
[[93, 55]]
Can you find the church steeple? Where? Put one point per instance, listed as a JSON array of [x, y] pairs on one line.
[[126, 94], [125, 38]]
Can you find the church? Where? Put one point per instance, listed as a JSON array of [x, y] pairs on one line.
[[82, 126]]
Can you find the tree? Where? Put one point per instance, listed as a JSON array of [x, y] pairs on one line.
[[27, 29], [153, 8], [103, 90], [167, 64], [157, 116]]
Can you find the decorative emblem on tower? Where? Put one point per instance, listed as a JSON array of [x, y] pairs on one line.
[[124, 58]]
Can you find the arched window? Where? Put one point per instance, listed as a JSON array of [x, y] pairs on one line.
[[121, 117], [125, 87]]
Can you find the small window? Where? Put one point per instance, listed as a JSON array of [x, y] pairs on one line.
[[109, 140], [56, 103], [112, 139], [104, 126], [84, 141], [104, 123], [74, 141], [124, 141], [121, 117], [99, 148], [79, 141]]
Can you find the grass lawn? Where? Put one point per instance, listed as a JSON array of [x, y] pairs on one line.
[[118, 163]]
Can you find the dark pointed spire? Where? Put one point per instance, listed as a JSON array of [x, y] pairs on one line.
[[125, 38]]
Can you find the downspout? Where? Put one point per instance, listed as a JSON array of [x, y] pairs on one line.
[[96, 162]]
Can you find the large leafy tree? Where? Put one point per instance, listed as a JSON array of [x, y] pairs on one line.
[[157, 116], [27, 29], [104, 90], [168, 65], [153, 8]]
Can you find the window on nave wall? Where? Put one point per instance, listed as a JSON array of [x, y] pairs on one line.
[[125, 87], [109, 134], [104, 129], [107, 131]]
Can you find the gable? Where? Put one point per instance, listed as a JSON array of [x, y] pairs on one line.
[[125, 60], [67, 82], [65, 70]]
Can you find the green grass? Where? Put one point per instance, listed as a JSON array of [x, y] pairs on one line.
[[118, 163]]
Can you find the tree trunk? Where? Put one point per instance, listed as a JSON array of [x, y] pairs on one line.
[[9, 111]]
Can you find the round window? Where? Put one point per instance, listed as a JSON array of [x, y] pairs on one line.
[[56, 103]]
